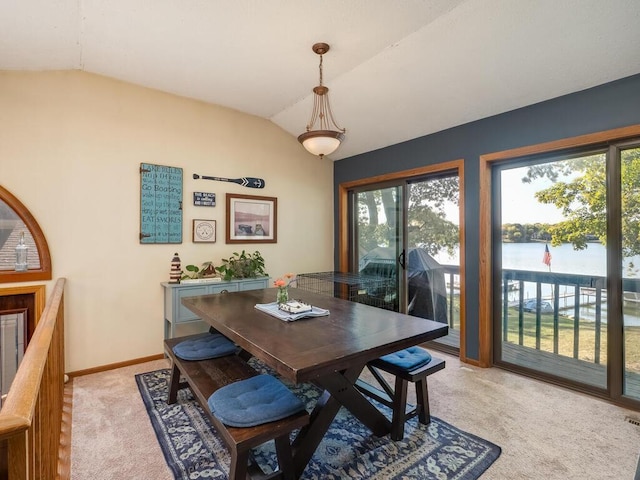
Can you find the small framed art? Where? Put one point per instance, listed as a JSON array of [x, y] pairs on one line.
[[204, 231]]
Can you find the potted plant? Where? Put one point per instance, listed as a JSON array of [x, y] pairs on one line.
[[242, 265]]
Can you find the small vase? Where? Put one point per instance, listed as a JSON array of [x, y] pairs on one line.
[[21, 255], [283, 295]]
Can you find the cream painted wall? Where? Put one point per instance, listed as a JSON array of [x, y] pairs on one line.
[[71, 145]]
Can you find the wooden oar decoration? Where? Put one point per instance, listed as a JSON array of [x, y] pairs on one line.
[[249, 182]]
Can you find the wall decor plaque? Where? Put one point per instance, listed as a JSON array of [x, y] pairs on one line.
[[204, 231], [160, 204], [204, 199]]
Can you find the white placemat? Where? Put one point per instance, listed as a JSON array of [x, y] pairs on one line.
[[273, 310]]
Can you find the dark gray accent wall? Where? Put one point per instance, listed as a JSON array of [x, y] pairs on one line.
[[608, 106]]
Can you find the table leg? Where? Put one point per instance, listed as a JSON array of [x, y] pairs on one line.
[[342, 388], [339, 391]]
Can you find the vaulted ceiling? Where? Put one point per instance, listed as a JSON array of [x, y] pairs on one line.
[[396, 69]]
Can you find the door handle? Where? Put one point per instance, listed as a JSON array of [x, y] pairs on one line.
[[401, 260]]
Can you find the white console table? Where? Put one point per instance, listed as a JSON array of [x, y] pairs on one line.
[[176, 314]]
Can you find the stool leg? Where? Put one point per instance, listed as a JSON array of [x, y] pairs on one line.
[[285, 457], [239, 465], [399, 409], [422, 396], [174, 385]]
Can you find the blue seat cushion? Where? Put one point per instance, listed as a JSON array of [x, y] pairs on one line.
[[205, 346], [256, 400], [409, 358]]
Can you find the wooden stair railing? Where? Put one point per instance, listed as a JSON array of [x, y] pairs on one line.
[[31, 416]]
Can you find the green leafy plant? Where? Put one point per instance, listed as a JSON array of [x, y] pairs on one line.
[[207, 269], [242, 265]]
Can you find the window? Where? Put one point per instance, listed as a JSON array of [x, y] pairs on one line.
[[16, 222]]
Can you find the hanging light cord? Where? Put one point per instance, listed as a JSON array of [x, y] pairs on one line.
[[322, 108]]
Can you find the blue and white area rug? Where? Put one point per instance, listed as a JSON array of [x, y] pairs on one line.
[[349, 450]]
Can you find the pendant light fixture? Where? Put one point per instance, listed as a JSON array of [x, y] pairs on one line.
[[326, 138]]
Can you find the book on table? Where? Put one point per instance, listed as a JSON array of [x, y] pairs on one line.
[[295, 306], [291, 310]]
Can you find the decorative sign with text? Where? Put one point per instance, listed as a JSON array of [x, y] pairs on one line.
[[204, 199], [160, 204]]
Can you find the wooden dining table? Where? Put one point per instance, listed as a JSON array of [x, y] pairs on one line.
[[330, 351]]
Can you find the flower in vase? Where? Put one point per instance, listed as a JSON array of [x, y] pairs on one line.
[[284, 282], [283, 287]]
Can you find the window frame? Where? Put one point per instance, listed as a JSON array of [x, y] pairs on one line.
[[485, 317], [344, 243], [42, 273]]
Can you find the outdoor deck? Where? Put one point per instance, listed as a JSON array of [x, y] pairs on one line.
[[452, 339], [565, 367], [576, 308]]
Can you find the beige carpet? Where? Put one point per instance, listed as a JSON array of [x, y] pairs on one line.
[[545, 432], [111, 435]]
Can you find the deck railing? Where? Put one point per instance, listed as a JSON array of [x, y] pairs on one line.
[[452, 282], [556, 298], [557, 302], [575, 289], [580, 299], [31, 416]]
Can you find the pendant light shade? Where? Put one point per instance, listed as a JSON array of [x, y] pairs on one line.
[[326, 138], [321, 142]]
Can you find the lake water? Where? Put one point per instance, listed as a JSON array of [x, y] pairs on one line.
[[564, 259]]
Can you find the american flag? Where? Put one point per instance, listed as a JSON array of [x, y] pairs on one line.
[[546, 258]]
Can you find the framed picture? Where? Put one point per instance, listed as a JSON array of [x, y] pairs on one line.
[[252, 219], [204, 231]]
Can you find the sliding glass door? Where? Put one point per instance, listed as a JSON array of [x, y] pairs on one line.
[[379, 244], [566, 276], [433, 252], [629, 159], [408, 233], [552, 269]]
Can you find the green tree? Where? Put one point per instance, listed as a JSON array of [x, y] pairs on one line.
[[520, 233], [579, 191], [427, 227]]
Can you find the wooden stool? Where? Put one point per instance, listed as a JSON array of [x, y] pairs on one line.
[[204, 377], [396, 398]]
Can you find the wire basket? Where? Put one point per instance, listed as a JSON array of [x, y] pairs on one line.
[[356, 287]]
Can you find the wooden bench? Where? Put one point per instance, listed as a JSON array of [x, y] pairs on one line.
[[396, 398], [205, 377]]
